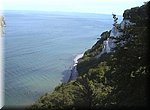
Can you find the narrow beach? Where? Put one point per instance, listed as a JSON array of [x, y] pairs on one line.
[[73, 73]]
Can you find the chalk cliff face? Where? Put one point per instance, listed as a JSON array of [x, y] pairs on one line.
[[109, 44], [116, 32], [113, 73]]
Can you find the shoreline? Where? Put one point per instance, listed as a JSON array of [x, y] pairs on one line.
[[73, 73], [77, 58]]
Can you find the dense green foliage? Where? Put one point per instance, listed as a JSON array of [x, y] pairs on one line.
[[115, 79]]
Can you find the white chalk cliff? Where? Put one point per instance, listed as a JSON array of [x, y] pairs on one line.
[[109, 44]]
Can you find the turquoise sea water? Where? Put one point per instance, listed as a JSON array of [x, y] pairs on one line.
[[40, 46]]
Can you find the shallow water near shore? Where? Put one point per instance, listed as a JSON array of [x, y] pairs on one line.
[[39, 48]]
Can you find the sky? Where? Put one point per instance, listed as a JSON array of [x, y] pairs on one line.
[[88, 6]]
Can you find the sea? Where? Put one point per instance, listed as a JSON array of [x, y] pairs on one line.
[[39, 46]]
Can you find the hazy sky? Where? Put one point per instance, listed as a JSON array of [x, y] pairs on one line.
[[91, 6]]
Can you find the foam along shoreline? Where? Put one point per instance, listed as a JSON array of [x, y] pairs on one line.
[[77, 58], [74, 72]]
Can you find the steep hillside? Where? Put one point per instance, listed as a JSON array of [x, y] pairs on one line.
[[113, 79]]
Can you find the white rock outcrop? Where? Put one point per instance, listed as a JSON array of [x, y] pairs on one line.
[[109, 44]]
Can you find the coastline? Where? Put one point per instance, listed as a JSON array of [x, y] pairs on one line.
[[73, 73], [77, 58]]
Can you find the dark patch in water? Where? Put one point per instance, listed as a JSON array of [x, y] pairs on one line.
[[66, 76]]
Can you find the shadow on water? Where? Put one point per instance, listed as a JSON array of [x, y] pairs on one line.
[[66, 75], [14, 108]]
